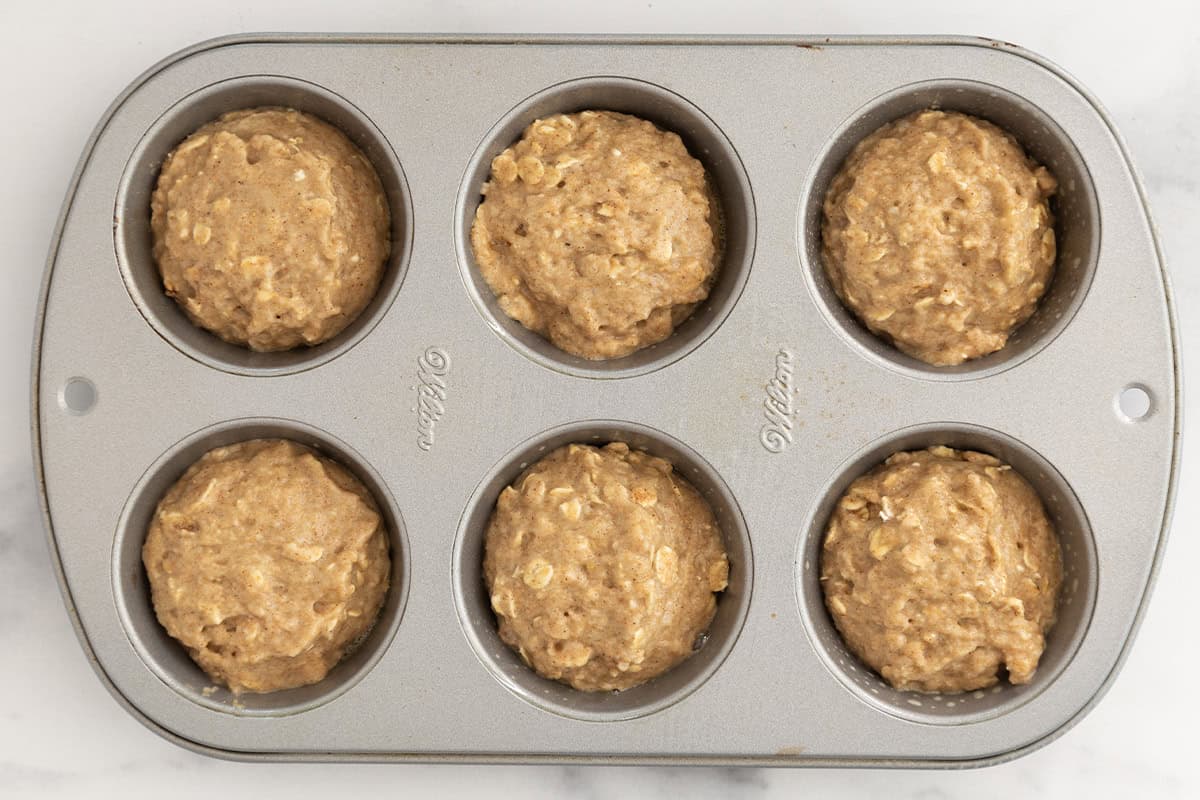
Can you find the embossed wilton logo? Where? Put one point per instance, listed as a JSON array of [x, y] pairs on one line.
[[776, 433], [432, 368]]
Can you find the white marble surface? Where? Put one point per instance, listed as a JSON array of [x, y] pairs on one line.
[[61, 735]]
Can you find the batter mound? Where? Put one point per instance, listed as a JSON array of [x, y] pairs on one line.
[[271, 229], [941, 570], [268, 563], [603, 566], [938, 235], [598, 231]]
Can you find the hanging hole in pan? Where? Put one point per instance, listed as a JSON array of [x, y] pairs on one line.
[[78, 396], [1134, 403]]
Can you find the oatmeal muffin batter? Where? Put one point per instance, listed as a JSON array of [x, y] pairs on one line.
[[602, 566], [941, 571], [599, 231], [268, 563], [938, 235], [271, 229]]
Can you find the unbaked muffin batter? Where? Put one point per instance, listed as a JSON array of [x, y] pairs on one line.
[[941, 571], [938, 235], [597, 230], [271, 229], [603, 565], [268, 563]]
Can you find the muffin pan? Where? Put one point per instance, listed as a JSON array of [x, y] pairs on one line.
[[770, 399]]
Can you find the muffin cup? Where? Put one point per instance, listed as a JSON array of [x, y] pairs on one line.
[[1081, 573], [134, 241], [166, 657], [704, 141], [1075, 207], [472, 600]]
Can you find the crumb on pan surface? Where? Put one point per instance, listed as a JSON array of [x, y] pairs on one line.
[[268, 562], [271, 228], [598, 231], [938, 235], [603, 566], [942, 571]]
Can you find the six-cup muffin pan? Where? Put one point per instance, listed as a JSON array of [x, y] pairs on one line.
[[770, 399]]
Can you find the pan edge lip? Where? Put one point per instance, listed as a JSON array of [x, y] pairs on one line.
[[613, 39]]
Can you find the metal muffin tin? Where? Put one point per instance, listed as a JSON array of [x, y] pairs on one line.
[[770, 399]]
